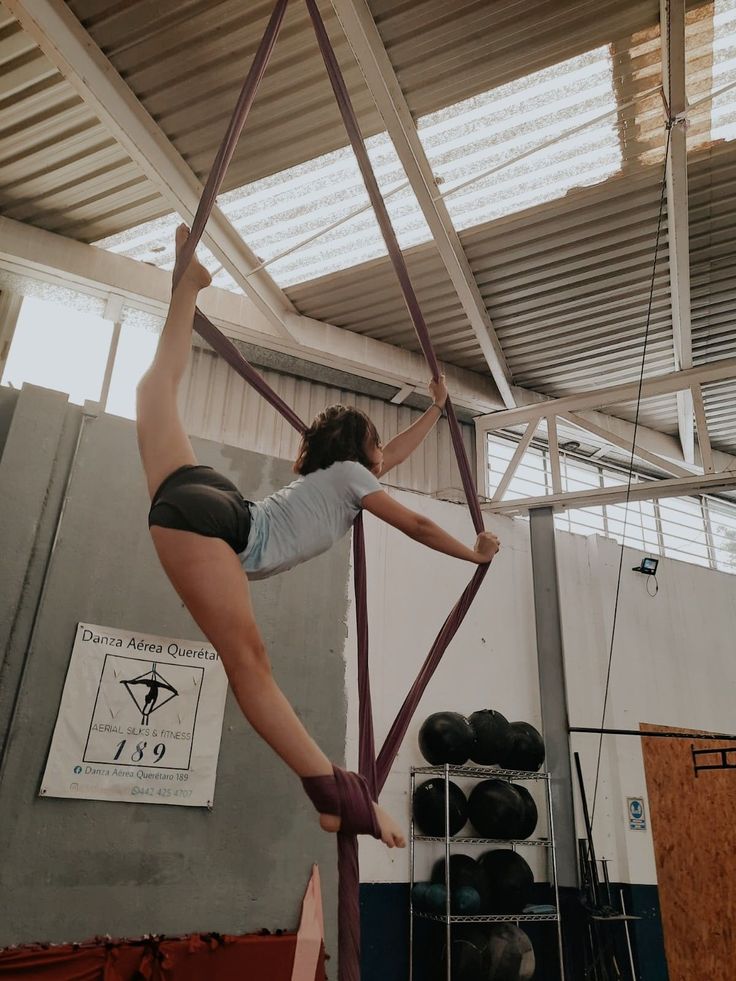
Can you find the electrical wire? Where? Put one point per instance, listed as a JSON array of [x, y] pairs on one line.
[[662, 195]]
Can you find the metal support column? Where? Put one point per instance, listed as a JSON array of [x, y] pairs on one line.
[[553, 697]]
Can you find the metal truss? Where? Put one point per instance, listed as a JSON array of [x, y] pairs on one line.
[[700, 477]]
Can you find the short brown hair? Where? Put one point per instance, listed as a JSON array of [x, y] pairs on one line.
[[337, 433]]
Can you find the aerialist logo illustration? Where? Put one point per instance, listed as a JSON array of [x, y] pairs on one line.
[[155, 683]]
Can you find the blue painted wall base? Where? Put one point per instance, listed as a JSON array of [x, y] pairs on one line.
[[385, 932]]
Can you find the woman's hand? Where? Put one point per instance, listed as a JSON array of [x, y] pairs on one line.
[[486, 546], [438, 391]]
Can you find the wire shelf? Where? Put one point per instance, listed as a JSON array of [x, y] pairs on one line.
[[483, 772], [447, 919], [500, 918], [462, 840]]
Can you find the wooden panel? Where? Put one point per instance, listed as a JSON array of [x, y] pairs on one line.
[[695, 850]]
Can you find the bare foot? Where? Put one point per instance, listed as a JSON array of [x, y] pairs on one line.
[[390, 831], [195, 273]]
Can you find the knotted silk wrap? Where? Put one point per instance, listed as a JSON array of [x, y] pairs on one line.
[[344, 794]]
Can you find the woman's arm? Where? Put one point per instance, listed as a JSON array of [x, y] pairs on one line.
[[423, 530], [403, 445]]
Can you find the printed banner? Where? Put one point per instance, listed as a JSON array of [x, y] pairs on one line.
[[140, 720]]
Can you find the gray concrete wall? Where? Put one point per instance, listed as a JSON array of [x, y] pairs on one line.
[[72, 869]]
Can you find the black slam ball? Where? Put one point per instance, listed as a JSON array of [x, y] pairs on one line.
[[530, 817], [446, 737], [492, 734], [510, 955], [429, 807], [470, 955], [464, 870], [525, 750], [464, 873], [496, 809], [501, 952], [509, 881]]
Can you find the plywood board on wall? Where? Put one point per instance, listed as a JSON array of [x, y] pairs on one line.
[[694, 831]]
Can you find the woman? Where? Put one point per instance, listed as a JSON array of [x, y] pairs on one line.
[[210, 541]]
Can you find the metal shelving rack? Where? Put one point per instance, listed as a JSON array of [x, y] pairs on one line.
[[480, 773]]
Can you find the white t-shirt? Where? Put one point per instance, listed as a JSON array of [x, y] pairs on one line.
[[305, 518]]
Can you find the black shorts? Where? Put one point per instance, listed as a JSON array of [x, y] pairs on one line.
[[199, 499]]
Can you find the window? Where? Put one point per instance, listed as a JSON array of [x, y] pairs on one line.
[[722, 523], [64, 349], [60, 348], [139, 336], [692, 529], [683, 529]]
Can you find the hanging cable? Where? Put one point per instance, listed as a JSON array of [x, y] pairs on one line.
[[662, 196]]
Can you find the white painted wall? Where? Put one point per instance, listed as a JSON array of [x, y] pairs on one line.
[[673, 661], [490, 664], [217, 404], [673, 665]]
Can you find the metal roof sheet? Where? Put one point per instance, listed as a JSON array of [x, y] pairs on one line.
[[565, 282], [185, 61]]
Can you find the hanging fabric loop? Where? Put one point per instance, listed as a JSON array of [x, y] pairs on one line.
[[374, 770]]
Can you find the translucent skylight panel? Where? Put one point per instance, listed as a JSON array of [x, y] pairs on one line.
[[710, 41], [281, 211], [278, 213], [153, 242], [723, 107], [473, 148], [485, 132]]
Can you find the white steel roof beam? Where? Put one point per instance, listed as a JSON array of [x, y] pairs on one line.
[[622, 444], [645, 490], [365, 40], [665, 384], [706, 453], [510, 472], [672, 29], [35, 254], [10, 304], [657, 449], [53, 26]]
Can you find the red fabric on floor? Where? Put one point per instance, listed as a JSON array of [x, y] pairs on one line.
[[191, 958]]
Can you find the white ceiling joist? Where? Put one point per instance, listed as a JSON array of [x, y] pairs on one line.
[[672, 29], [10, 304], [515, 460], [639, 452], [706, 453], [666, 384], [364, 39], [32, 253], [645, 490], [66, 44]]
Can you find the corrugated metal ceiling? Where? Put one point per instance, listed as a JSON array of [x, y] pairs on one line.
[[185, 62], [565, 282]]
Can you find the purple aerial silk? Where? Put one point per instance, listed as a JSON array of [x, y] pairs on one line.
[[342, 792]]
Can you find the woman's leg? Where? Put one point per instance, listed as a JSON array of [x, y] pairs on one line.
[[164, 445], [205, 571], [208, 577]]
